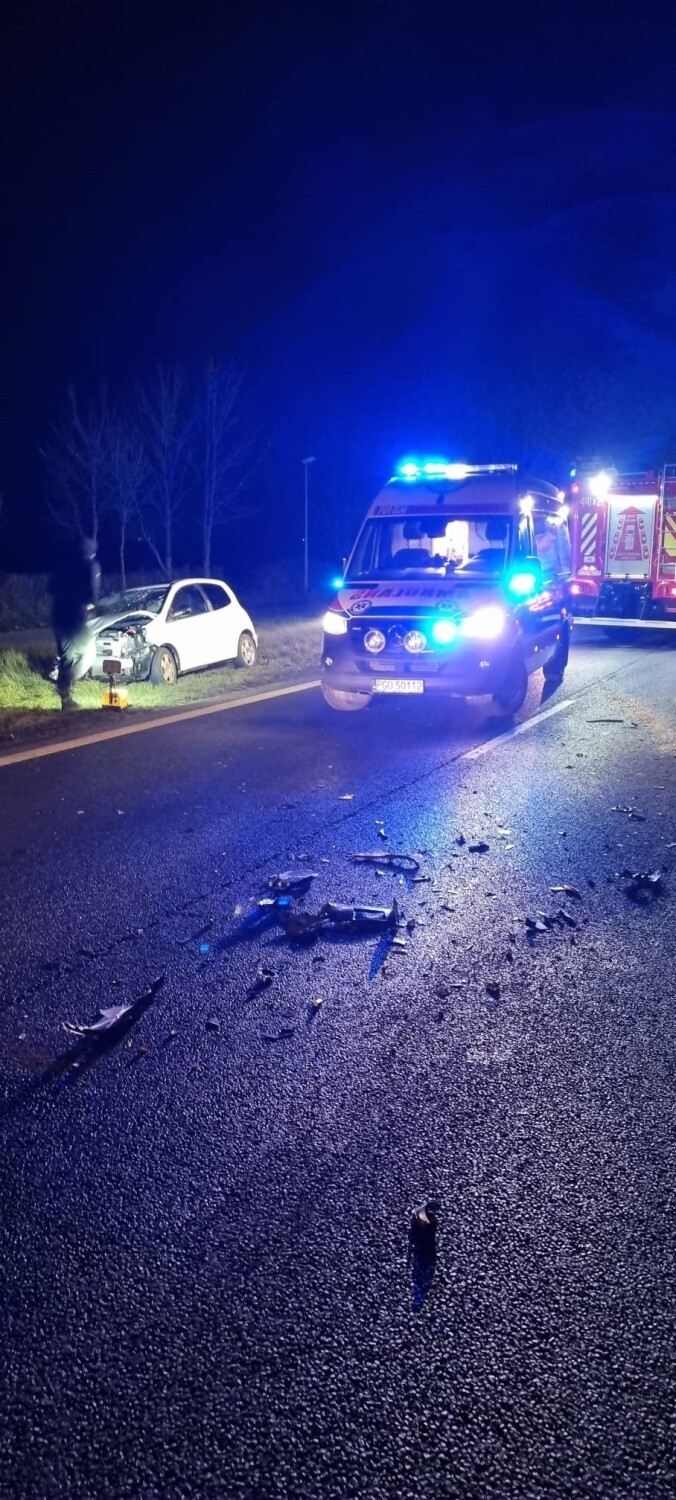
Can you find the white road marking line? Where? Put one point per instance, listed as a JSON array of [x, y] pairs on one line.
[[190, 713], [499, 739]]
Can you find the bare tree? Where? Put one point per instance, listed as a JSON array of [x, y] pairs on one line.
[[77, 461], [164, 424], [128, 490], [222, 447]]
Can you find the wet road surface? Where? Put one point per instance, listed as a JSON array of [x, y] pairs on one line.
[[207, 1286]]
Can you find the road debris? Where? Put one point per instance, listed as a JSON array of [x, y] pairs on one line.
[[334, 917], [566, 916], [631, 813], [390, 861], [317, 1003], [212, 1023], [479, 848], [262, 981], [534, 924], [292, 882], [443, 989], [114, 1016], [461, 839], [643, 884], [493, 989], [423, 1228], [279, 1036], [381, 833], [566, 890], [346, 797], [605, 721]]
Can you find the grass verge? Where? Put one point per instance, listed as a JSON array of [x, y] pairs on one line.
[[30, 708]]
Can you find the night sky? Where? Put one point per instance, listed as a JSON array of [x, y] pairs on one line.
[[413, 224]]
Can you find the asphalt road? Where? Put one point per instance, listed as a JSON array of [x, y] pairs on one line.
[[203, 1237]]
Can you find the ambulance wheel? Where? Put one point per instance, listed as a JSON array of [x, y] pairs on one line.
[[163, 670], [554, 669], [346, 703], [512, 697]]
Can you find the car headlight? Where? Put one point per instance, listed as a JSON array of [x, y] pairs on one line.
[[484, 624], [335, 624]]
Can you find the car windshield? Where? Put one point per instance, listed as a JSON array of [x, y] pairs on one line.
[[434, 546], [148, 601]]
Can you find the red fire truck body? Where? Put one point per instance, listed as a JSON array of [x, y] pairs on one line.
[[623, 535]]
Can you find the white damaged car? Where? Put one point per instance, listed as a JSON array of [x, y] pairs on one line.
[[157, 633]]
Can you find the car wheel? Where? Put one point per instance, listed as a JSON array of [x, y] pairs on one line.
[[246, 650], [346, 703], [163, 669], [512, 697], [554, 669]]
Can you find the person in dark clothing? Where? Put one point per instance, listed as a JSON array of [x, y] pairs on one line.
[[76, 586]]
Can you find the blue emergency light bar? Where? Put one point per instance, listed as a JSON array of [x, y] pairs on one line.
[[439, 468]]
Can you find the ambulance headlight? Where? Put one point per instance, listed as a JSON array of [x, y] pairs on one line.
[[484, 624], [335, 624]]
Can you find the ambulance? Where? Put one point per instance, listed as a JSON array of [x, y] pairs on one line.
[[457, 585], [623, 532]]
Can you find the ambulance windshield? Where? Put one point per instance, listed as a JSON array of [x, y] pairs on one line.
[[434, 546]]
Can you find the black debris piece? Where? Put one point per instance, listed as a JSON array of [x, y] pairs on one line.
[[493, 989], [479, 848], [631, 813], [461, 839], [212, 1023], [278, 1036], [423, 1228], [565, 916], [567, 890], [642, 884]]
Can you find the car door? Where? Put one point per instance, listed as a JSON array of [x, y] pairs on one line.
[[225, 625], [188, 627]]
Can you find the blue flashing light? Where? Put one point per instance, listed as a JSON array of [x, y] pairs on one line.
[[523, 583], [337, 583], [444, 632], [573, 472], [409, 470], [435, 470]]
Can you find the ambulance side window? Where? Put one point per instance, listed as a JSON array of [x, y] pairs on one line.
[[544, 528]]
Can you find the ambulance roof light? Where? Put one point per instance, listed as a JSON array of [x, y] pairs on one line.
[[439, 468]]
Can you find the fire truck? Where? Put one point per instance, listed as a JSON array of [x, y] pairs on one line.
[[623, 534]]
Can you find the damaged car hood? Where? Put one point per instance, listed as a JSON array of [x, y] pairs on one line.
[[104, 624]]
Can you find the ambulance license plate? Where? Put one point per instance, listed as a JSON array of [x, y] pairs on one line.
[[398, 685]]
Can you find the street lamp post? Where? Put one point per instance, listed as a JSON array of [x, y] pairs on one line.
[[306, 557]]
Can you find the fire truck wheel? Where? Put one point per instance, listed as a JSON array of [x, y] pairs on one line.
[[554, 669], [513, 695], [346, 703]]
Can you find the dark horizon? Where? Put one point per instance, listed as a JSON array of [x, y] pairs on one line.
[[409, 229]]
